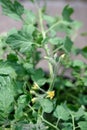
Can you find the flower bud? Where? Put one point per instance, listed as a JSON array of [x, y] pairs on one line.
[[32, 92], [35, 86], [33, 100], [62, 56]]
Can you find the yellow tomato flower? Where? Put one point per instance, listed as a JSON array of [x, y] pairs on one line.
[[35, 86], [51, 94]]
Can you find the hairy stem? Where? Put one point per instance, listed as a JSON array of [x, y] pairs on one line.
[[46, 47], [73, 122], [50, 124]]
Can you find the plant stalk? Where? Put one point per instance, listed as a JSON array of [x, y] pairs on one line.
[[46, 49], [50, 124], [73, 122]]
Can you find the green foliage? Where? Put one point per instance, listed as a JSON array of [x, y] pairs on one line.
[[31, 98], [6, 69], [61, 113], [84, 51], [83, 125], [68, 44], [30, 17], [21, 104], [14, 10], [6, 98], [22, 40], [67, 11], [47, 105], [38, 77]]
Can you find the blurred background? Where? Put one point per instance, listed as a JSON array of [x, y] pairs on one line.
[[54, 7]]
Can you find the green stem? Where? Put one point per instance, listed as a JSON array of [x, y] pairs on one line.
[[20, 55], [57, 49], [42, 90], [45, 46], [50, 124], [57, 23], [57, 122], [77, 127], [73, 122], [41, 23], [31, 108], [54, 73]]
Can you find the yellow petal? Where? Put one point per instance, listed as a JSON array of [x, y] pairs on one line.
[[51, 94]]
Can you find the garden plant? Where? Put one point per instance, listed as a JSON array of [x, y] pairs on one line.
[[32, 98]]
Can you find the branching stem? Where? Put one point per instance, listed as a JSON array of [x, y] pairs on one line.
[[50, 124], [46, 47]]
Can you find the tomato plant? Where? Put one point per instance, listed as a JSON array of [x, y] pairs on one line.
[[30, 97]]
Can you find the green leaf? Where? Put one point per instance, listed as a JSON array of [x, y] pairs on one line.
[[84, 51], [38, 77], [78, 63], [61, 112], [63, 26], [30, 17], [67, 126], [20, 71], [38, 73], [83, 125], [76, 25], [68, 44], [2, 45], [29, 67], [82, 99], [41, 81], [12, 57], [79, 113], [68, 83], [18, 113], [85, 79], [56, 41], [23, 101], [57, 24], [12, 9], [85, 116], [6, 69], [22, 40], [28, 29], [47, 105], [67, 12], [49, 19], [6, 95]]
